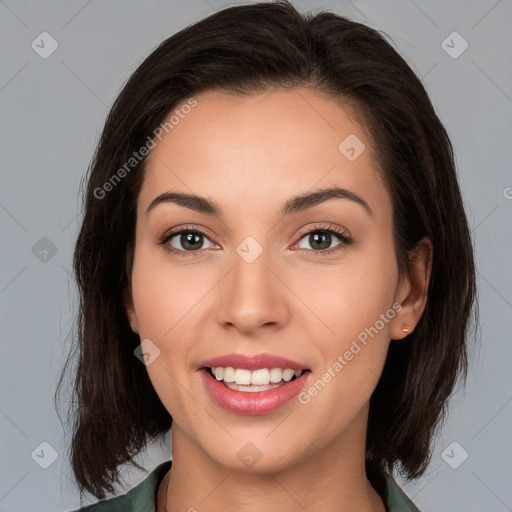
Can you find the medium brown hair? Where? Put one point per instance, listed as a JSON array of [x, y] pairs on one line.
[[242, 50]]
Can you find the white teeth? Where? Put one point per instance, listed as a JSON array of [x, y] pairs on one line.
[[242, 376], [229, 374], [260, 377], [276, 374], [255, 378], [288, 374]]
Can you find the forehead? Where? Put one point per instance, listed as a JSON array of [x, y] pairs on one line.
[[264, 147]]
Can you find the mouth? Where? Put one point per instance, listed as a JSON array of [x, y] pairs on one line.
[[253, 381], [253, 392]]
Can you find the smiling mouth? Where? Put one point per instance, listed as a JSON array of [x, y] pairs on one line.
[[262, 379]]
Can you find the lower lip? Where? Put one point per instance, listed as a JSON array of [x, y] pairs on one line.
[[256, 402]]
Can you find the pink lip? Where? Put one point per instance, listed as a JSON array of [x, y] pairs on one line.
[[253, 362], [252, 403]]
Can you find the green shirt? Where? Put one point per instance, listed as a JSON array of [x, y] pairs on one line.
[[142, 498]]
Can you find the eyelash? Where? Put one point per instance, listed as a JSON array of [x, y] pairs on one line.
[[330, 229]]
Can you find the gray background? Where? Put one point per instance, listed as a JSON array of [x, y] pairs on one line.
[[52, 111]]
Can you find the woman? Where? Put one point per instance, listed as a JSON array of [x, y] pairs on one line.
[[275, 260]]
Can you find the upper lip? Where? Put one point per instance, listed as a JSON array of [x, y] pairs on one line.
[[253, 362]]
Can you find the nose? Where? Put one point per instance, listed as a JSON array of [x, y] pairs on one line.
[[252, 297]]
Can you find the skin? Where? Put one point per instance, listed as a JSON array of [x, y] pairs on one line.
[[250, 155]]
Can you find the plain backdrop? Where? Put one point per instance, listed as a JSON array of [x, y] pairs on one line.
[[52, 110]]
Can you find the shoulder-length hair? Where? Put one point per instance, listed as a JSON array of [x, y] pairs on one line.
[[242, 50]]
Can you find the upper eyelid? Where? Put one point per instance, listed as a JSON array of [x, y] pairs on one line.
[[338, 230]]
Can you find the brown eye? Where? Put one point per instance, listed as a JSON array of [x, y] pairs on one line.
[[190, 240], [185, 241], [320, 240]]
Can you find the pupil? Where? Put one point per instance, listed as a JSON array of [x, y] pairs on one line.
[[325, 244], [187, 239]]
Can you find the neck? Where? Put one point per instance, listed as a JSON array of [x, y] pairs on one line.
[[333, 479]]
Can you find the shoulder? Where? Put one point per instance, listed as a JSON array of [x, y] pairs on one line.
[[141, 498], [398, 501]]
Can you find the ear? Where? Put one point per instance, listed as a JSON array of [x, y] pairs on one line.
[[412, 290], [130, 308]]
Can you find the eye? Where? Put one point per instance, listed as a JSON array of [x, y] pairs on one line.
[[321, 238], [185, 241]]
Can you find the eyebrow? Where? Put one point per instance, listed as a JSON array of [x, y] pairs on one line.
[[295, 204]]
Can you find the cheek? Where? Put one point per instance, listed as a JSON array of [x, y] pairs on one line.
[[164, 294], [349, 297], [169, 299], [354, 302], [162, 313]]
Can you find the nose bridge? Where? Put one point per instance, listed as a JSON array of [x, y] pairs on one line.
[[250, 296]]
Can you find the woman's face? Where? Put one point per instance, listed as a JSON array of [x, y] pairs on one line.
[[264, 278]]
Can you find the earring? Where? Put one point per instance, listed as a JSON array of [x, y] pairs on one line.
[[405, 330]]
